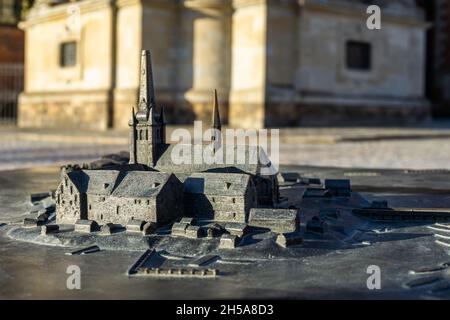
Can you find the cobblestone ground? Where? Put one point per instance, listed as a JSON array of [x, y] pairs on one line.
[[366, 148]]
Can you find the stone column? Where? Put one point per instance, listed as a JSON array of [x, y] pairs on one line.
[[145, 24], [204, 56], [248, 70]]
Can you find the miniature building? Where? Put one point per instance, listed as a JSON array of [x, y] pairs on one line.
[[118, 196], [152, 186], [277, 220], [222, 197], [148, 145]]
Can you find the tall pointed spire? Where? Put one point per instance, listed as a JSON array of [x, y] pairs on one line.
[[146, 87], [147, 131], [216, 135]]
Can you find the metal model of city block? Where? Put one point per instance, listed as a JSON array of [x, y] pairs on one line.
[[229, 220], [153, 189]]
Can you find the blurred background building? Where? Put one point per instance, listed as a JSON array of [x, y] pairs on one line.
[[273, 62], [11, 58], [438, 55]]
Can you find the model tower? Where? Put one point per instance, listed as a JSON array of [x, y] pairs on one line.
[[147, 125]]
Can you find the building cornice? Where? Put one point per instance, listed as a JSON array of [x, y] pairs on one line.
[[247, 3], [206, 4], [42, 14], [167, 4]]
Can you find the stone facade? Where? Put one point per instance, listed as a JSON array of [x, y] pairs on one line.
[[438, 45], [111, 196], [76, 95], [273, 62], [221, 197]]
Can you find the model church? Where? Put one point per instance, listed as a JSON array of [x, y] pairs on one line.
[[153, 188]]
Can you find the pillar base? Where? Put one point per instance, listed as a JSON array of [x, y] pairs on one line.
[[74, 110], [364, 114]]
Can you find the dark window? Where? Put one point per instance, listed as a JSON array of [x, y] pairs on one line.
[[358, 55], [68, 54]]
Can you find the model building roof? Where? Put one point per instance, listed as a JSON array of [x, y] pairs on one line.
[[225, 184], [247, 159], [136, 184]]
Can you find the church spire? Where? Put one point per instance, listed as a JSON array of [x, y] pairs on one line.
[[132, 137], [146, 88], [147, 131], [216, 135], [216, 124]]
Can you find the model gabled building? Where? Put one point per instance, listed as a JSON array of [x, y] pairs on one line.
[[118, 196], [222, 197]]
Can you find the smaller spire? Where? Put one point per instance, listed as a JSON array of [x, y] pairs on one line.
[[133, 137], [216, 124], [133, 117], [216, 135]]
